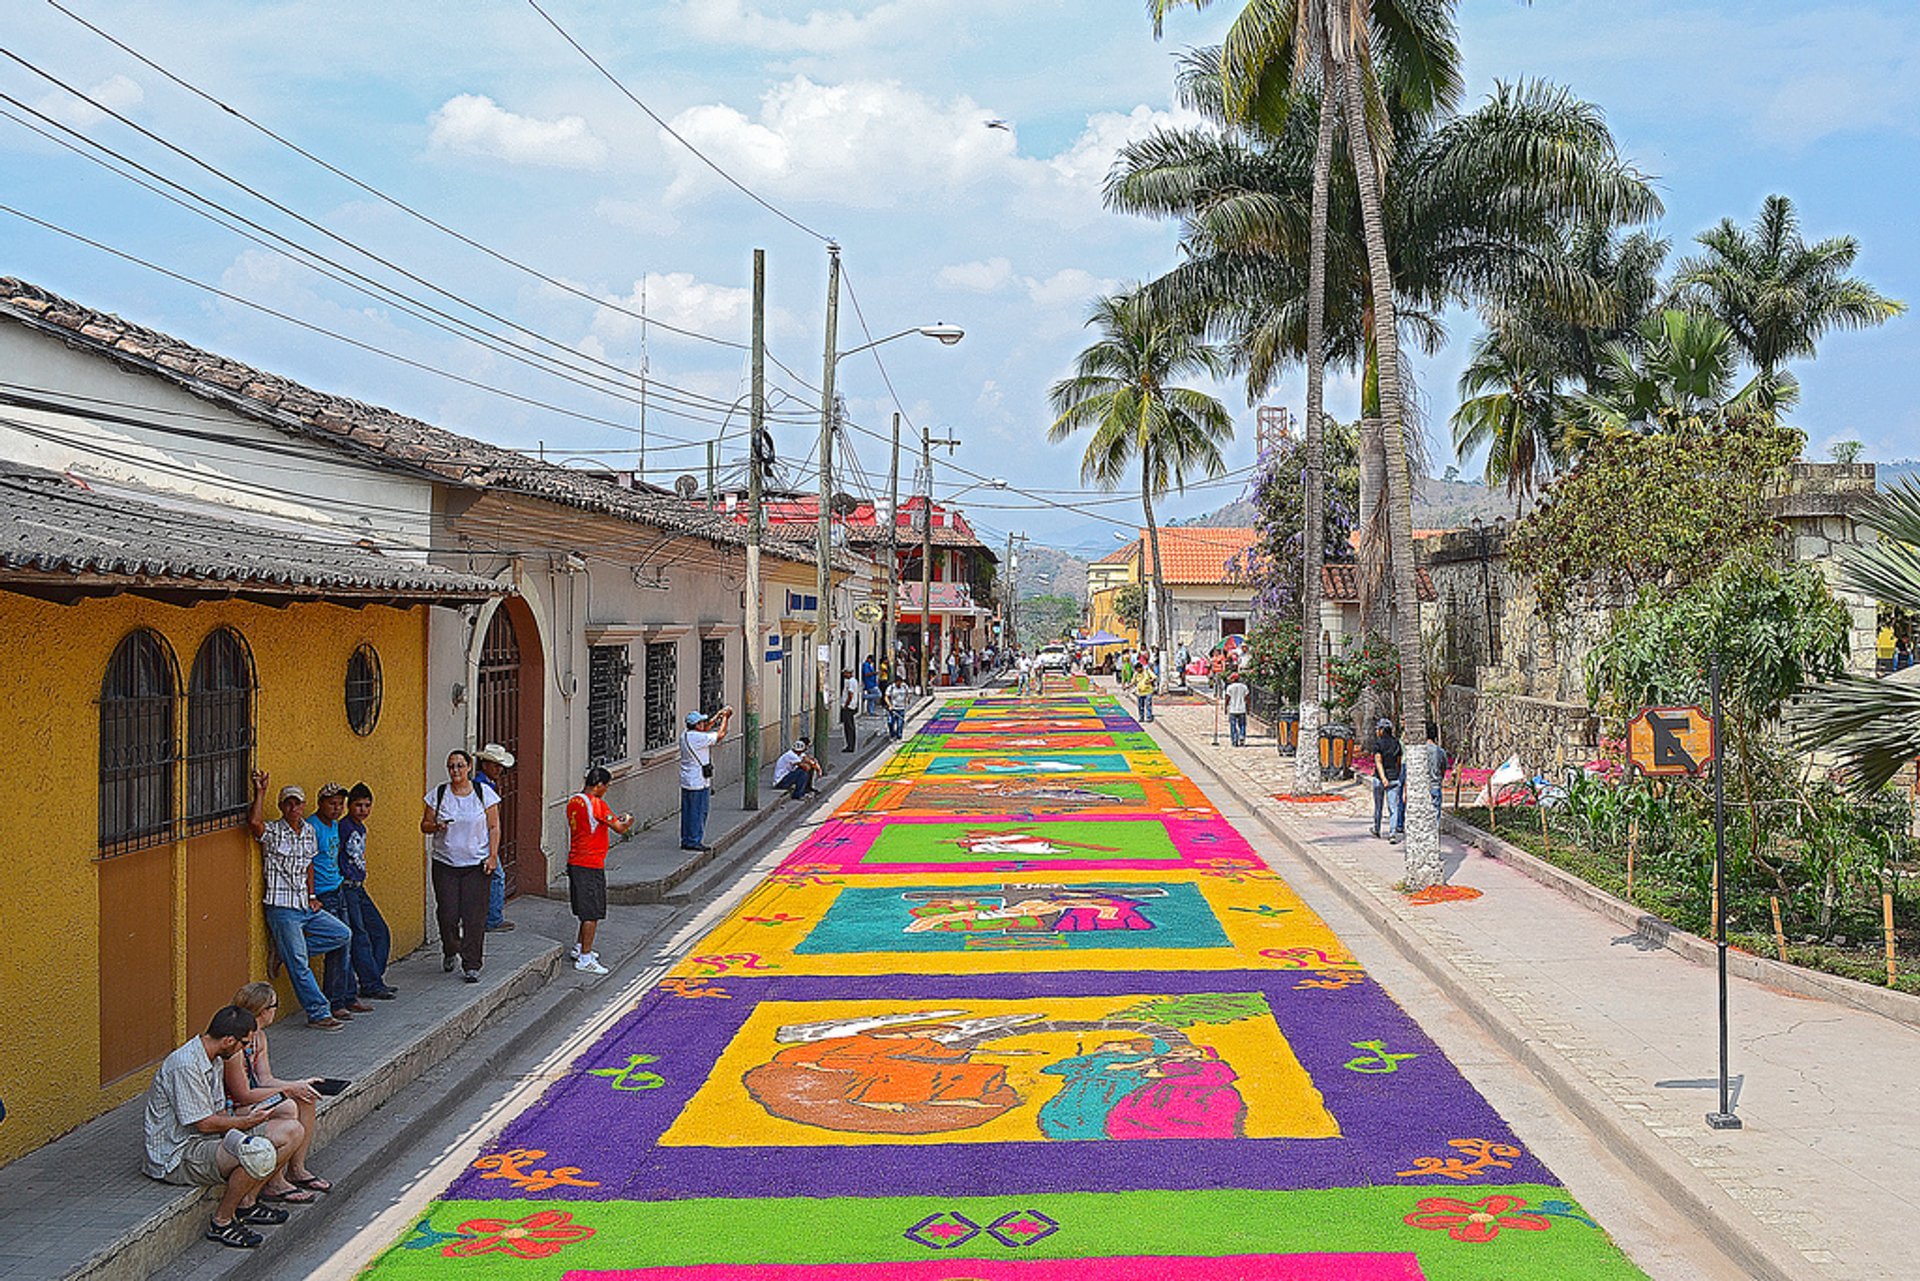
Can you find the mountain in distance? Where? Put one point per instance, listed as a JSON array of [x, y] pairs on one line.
[[1438, 503], [1048, 571]]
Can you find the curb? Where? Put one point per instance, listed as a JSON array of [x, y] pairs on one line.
[[1718, 1216], [1886, 1002]]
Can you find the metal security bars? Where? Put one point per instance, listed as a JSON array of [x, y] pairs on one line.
[[607, 673], [713, 673], [363, 690], [662, 694], [139, 745], [220, 733]]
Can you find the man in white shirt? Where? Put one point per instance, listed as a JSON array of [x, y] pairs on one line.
[[1238, 695], [899, 697], [1025, 666], [187, 1122], [696, 774], [796, 770], [849, 707]]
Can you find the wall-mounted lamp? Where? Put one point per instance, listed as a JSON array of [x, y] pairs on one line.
[[459, 693]]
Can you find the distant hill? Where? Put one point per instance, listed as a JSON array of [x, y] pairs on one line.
[[1437, 504], [1905, 469], [1047, 571]]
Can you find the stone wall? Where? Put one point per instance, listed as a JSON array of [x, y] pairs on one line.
[[1483, 728]]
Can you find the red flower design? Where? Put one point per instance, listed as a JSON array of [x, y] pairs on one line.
[[1475, 1221], [534, 1237]]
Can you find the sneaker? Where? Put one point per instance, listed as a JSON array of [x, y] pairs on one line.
[[1376, 833], [573, 953], [448, 961], [326, 1025], [589, 963], [471, 976], [1396, 838]]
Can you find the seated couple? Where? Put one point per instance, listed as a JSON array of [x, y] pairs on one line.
[[794, 773], [216, 1116]]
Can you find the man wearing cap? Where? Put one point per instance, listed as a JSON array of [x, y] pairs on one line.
[[295, 919], [338, 982], [696, 774], [796, 769], [1389, 778], [494, 762]]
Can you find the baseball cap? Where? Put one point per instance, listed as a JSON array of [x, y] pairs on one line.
[[495, 754], [1385, 722], [331, 789], [695, 719], [292, 792]]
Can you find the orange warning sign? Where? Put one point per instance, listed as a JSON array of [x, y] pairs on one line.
[[1666, 741]]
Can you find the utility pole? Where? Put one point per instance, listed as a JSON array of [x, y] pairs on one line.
[[890, 622], [1006, 596], [823, 579], [756, 523], [927, 442]]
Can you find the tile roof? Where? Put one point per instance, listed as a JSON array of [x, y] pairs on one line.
[[1198, 554], [865, 528], [54, 528], [1121, 555], [380, 434], [1341, 584]]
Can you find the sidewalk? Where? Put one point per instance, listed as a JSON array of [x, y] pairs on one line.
[[79, 1207], [1824, 1181]]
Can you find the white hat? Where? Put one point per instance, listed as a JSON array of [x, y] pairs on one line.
[[495, 754], [254, 1152]]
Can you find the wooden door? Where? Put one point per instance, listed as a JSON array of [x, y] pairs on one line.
[[137, 1014], [220, 916], [499, 722]]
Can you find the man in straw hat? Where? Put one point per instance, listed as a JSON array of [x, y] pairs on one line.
[[495, 761]]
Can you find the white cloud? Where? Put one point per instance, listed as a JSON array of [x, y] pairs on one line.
[[475, 125], [732, 22], [1086, 162], [677, 298], [116, 92], [1070, 287], [985, 277]]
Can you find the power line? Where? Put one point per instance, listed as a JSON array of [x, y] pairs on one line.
[[672, 133]]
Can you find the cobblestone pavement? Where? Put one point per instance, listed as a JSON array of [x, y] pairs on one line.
[[1825, 1176], [1028, 1001]]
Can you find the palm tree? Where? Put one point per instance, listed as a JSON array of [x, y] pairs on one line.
[[1775, 293], [1123, 390], [1510, 406], [1874, 725], [1679, 376]]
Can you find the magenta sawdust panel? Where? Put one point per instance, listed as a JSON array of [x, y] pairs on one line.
[[1232, 1267]]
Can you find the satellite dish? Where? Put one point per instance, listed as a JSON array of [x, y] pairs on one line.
[[687, 486]]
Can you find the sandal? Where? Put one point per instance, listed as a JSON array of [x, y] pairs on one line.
[[231, 1233], [270, 1215], [312, 1183], [295, 1195]]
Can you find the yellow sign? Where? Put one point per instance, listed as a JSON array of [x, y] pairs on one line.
[[1668, 741]]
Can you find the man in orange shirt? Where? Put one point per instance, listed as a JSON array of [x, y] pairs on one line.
[[589, 820]]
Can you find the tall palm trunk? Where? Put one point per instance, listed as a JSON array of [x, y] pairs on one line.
[[1313, 552], [1160, 619], [1422, 849]]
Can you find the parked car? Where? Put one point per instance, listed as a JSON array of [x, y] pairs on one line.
[[1053, 658]]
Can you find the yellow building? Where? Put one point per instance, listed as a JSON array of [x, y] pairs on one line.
[[155, 653], [1105, 578]]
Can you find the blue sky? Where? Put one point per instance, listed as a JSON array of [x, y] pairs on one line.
[[865, 120]]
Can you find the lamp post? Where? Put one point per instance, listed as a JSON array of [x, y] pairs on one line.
[[946, 335]]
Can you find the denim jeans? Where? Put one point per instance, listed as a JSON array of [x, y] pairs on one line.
[[300, 932], [336, 974], [1146, 707], [693, 815], [797, 783], [497, 896], [372, 940], [1393, 796], [1237, 728], [896, 723]]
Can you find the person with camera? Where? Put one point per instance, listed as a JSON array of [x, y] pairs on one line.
[[590, 824], [696, 774]]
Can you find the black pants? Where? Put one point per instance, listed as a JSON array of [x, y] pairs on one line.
[[846, 726], [460, 902]]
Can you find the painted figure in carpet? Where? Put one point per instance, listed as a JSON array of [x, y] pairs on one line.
[[1144, 1088], [1020, 844], [1095, 1083], [1034, 909], [1003, 796], [1011, 765]]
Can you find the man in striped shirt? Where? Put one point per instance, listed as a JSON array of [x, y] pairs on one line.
[[299, 926]]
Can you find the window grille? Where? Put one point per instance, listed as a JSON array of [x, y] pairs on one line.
[[139, 745], [662, 694], [220, 733], [607, 673], [363, 690], [713, 674]]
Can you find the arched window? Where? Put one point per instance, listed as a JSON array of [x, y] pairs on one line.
[[363, 689], [139, 744], [220, 732]]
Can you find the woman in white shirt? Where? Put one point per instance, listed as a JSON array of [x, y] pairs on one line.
[[463, 817]]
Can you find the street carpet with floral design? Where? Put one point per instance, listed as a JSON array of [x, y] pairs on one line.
[[1025, 1008]]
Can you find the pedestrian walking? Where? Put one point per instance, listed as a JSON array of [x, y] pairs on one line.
[[590, 824], [1439, 762], [300, 927], [462, 816], [337, 981], [899, 696], [869, 686], [372, 939], [696, 774], [1389, 779], [849, 708], [1238, 695], [1143, 685], [492, 763]]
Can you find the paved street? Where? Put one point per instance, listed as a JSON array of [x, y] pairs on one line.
[[1026, 999]]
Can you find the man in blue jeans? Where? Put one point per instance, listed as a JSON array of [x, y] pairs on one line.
[[337, 972], [696, 774], [294, 917], [493, 762], [1389, 779]]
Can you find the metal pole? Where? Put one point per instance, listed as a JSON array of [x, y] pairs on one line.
[[823, 578], [1006, 597], [1724, 1119], [756, 522], [926, 562], [890, 624]]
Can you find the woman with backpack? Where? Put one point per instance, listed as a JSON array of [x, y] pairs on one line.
[[463, 817]]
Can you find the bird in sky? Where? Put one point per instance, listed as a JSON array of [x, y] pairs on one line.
[[999, 124]]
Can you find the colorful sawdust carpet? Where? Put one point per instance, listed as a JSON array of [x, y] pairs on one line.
[[933, 1042]]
